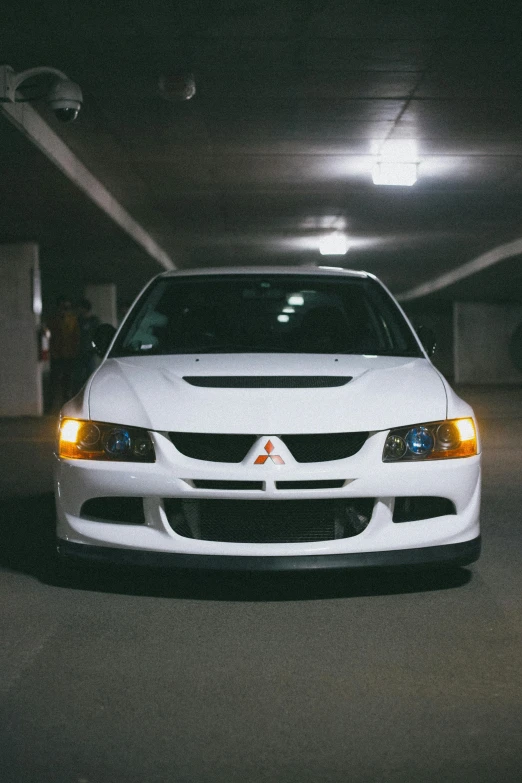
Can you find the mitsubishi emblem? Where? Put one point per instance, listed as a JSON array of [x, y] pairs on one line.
[[274, 457]]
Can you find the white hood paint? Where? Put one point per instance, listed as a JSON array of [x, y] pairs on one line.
[[150, 392]]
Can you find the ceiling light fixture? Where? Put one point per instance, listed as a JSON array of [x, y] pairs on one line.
[[177, 86], [397, 164], [295, 299], [335, 244]]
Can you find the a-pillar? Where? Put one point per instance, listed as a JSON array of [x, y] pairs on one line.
[[437, 316], [20, 310], [103, 300], [484, 342]]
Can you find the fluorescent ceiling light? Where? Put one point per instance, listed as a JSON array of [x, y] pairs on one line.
[[283, 318], [402, 174], [334, 245], [295, 299], [288, 310], [396, 163]]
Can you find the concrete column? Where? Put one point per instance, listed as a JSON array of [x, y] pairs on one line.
[[482, 334], [103, 300], [20, 310]]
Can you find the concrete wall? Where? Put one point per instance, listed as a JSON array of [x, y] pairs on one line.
[[20, 309], [482, 333]]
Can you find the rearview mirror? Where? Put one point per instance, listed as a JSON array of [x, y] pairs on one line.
[[102, 338], [427, 338]]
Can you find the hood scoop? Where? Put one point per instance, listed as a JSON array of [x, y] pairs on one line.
[[267, 381]]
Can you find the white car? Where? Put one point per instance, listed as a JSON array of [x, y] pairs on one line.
[[280, 418]]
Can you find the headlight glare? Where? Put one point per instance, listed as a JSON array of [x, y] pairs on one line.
[[433, 440], [99, 441], [466, 429], [69, 431]]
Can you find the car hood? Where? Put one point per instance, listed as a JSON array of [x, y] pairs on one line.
[[153, 392]]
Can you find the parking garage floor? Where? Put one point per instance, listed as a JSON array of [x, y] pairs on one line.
[[138, 676]]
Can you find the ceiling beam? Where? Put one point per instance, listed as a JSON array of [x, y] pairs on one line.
[[479, 264], [39, 133]]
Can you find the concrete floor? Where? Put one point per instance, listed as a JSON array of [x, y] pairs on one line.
[[142, 678]]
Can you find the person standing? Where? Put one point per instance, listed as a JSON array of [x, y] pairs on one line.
[[87, 324], [65, 338]]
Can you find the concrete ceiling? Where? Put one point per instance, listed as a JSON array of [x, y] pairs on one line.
[[275, 148]]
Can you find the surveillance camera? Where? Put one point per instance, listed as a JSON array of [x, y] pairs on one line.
[[65, 99]]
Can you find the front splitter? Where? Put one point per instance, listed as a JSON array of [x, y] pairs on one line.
[[450, 554]]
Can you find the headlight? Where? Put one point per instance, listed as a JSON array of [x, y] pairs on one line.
[[436, 440], [96, 440]]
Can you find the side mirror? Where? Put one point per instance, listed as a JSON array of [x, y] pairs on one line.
[[427, 338], [102, 338]]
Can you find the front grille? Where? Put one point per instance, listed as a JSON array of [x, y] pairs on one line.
[[267, 381], [217, 484], [212, 447], [322, 484], [414, 509], [269, 521], [125, 511], [324, 447]]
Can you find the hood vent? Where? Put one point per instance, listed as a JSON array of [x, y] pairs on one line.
[[267, 381]]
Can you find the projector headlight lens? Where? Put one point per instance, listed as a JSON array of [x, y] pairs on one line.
[[88, 435], [419, 441], [434, 440], [100, 441], [395, 447], [142, 446], [448, 435], [117, 442]]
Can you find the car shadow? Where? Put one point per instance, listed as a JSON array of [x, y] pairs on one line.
[[28, 546]]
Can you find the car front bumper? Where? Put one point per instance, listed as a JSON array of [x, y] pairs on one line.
[[446, 538]]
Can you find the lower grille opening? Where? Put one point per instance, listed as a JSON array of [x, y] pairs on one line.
[[126, 511], [269, 521], [212, 484], [414, 509], [323, 484]]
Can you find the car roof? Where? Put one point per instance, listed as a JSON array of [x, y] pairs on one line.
[[268, 270]]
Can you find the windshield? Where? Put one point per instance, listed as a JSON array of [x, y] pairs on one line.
[[265, 314]]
